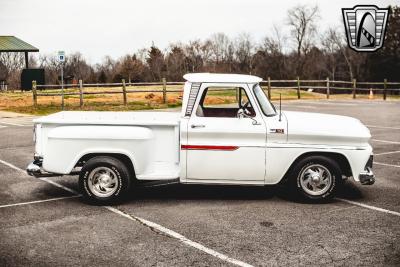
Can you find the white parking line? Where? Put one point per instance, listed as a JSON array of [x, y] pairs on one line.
[[385, 164], [47, 180], [387, 153], [369, 207], [13, 124], [293, 106], [3, 126], [385, 141], [329, 103], [12, 166], [383, 127], [180, 237], [153, 225], [36, 201]]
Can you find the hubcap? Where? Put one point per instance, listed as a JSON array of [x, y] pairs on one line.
[[103, 182], [315, 179]]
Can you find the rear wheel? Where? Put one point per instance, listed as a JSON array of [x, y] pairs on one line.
[[316, 177], [104, 180]]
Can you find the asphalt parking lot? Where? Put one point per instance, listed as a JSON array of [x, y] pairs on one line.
[[44, 223]]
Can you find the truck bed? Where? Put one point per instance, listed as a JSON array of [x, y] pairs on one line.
[[112, 118], [150, 139]]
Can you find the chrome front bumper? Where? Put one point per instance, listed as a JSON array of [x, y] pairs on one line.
[[367, 177]]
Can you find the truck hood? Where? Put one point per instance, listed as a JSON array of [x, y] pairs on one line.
[[326, 129]]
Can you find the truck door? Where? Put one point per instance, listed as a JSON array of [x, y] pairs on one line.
[[222, 146]]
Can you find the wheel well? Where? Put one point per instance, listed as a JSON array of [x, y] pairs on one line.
[[124, 158], [340, 159]]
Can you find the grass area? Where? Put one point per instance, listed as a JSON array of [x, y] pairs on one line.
[[22, 101], [94, 106]]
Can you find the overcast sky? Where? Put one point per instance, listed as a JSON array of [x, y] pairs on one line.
[[97, 28]]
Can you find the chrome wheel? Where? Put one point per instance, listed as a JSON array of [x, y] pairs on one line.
[[315, 179], [103, 181]]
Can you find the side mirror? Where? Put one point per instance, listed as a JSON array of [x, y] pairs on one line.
[[242, 114]]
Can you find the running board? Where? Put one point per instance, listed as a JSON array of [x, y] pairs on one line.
[[158, 182]]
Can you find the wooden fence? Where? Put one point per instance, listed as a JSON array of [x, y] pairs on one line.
[[327, 86]]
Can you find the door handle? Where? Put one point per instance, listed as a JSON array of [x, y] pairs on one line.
[[197, 126]]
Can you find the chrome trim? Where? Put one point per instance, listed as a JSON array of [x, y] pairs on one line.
[[194, 90], [35, 168], [315, 179]]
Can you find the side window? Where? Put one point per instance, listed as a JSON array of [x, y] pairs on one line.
[[224, 102]]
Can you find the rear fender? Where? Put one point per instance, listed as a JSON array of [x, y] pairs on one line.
[[68, 144]]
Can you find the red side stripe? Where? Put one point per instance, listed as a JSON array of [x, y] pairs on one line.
[[205, 147]]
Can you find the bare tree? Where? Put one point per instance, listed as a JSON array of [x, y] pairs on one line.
[[77, 67], [220, 45], [194, 59], [131, 68], [331, 47], [243, 50], [270, 59], [338, 41], [302, 22], [108, 67]]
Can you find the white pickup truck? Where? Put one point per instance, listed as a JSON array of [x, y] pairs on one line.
[[228, 132]]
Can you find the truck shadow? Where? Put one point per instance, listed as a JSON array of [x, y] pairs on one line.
[[227, 192], [349, 191], [193, 192]]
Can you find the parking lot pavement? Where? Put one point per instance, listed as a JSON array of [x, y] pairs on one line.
[[15, 119], [180, 225], [67, 233]]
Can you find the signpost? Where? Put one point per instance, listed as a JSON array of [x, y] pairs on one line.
[[61, 59]]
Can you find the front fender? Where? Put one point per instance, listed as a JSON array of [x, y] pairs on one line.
[[281, 156]]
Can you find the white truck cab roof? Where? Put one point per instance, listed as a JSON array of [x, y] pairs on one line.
[[221, 78]]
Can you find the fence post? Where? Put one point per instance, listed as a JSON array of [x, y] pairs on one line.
[[34, 94], [354, 88], [327, 88], [80, 93], [124, 91], [164, 81], [384, 88], [269, 88], [298, 87]]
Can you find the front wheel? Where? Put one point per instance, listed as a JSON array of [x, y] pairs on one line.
[[316, 177], [104, 180]]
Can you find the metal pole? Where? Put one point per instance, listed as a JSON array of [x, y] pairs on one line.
[[354, 88], [62, 86]]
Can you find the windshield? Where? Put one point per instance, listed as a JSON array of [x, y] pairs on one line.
[[267, 108]]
